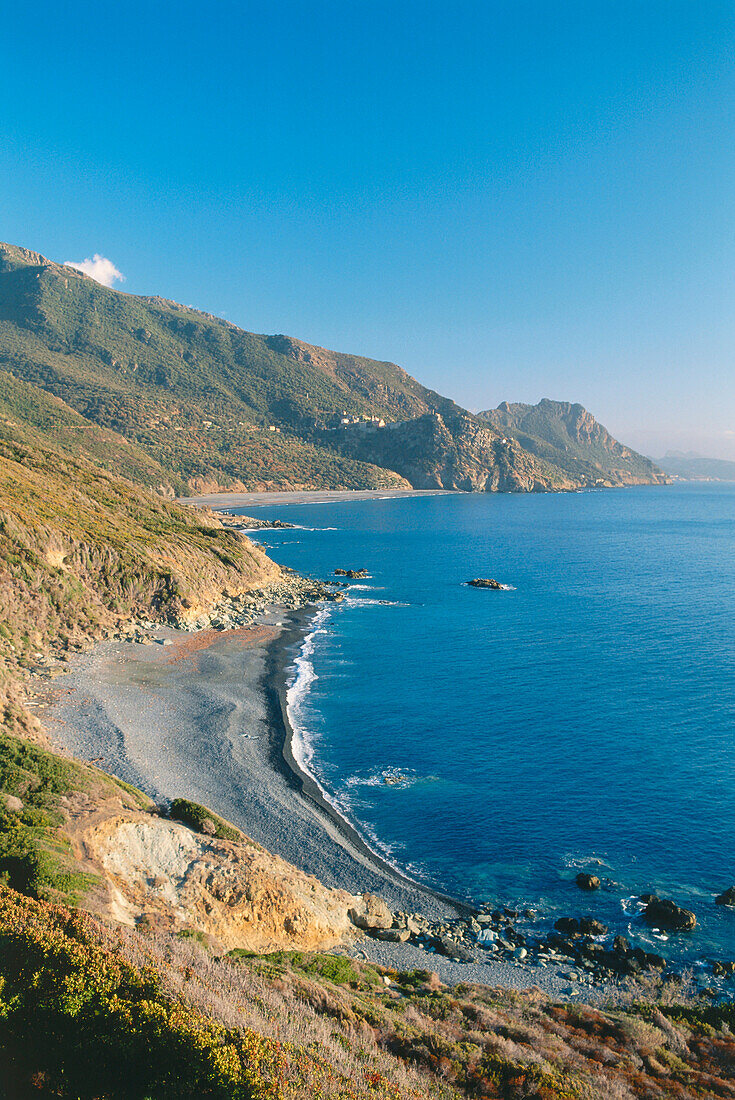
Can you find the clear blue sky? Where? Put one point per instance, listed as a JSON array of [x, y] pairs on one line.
[[512, 200]]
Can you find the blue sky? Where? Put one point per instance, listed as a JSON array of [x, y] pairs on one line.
[[512, 200]]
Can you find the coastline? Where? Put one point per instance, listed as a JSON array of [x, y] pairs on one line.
[[171, 719], [225, 499], [205, 717], [281, 658]]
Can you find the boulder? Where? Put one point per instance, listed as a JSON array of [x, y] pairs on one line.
[[372, 914], [392, 935], [727, 897], [353, 574], [569, 925], [587, 882], [591, 927], [485, 582], [561, 944], [664, 913], [445, 946]]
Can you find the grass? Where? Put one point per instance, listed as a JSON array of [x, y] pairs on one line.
[[91, 1011], [35, 856]]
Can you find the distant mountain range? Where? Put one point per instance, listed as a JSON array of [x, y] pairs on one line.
[[694, 467], [183, 401]]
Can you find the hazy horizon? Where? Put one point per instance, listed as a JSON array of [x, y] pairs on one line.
[[511, 202]]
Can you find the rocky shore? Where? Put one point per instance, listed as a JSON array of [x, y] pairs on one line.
[[290, 592], [580, 950]]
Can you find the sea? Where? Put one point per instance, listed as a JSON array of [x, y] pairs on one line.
[[492, 744]]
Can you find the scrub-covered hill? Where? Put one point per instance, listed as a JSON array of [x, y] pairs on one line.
[[203, 405], [569, 437]]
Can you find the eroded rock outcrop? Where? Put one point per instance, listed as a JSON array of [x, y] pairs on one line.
[[235, 892]]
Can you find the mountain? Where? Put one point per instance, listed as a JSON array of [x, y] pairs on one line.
[[694, 467], [569, 437], [186, 402]]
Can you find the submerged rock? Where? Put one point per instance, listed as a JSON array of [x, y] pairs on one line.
[[587, 882]]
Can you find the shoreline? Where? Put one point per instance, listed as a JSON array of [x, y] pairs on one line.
[[171, 720], [226, 499], [281, 658], [209, 722]]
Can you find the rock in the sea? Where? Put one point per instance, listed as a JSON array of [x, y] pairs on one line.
[[591, 927], [664, 913], [373, 914], [569, 925], [727, 897], [485, 582], [587, 882], [353, 574]]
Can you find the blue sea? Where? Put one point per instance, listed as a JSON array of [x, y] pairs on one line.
[[495, 743]]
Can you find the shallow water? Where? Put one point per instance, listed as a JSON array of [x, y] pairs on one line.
[[582, 720]]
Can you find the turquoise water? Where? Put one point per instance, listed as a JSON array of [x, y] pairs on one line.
[[583, 719]]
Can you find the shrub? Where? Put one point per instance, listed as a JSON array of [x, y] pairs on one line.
[[202, 820]]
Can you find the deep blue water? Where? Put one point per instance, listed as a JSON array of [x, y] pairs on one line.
[[586, 715]]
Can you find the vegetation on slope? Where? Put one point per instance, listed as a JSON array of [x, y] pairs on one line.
[[203, 404], [36, 786], [568, 436], [82, 550], [87, 1011]]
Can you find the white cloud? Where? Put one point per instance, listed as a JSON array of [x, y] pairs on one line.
[[99, 268]]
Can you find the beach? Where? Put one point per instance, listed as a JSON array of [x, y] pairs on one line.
[[202, 715], [307, 496]]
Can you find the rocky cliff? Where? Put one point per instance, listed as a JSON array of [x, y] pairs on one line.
[[567, 436], [457, 452]]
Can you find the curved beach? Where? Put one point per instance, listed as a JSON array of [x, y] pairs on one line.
[[205, 717]]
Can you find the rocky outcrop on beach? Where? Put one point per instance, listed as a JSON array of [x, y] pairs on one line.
[[249, 523], [289, 592], [164, 875]]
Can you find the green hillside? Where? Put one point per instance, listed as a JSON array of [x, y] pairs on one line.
[[187, 402], [82, 550]]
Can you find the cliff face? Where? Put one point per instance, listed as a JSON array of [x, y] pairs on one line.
[[460, 452], [232, 891], [568, 436]]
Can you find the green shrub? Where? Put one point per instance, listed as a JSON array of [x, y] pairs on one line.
[[202, 820]]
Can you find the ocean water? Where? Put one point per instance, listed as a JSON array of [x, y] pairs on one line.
[[495, 743]]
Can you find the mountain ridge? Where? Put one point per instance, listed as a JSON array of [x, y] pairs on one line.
[[197, 404], [565, 433]]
